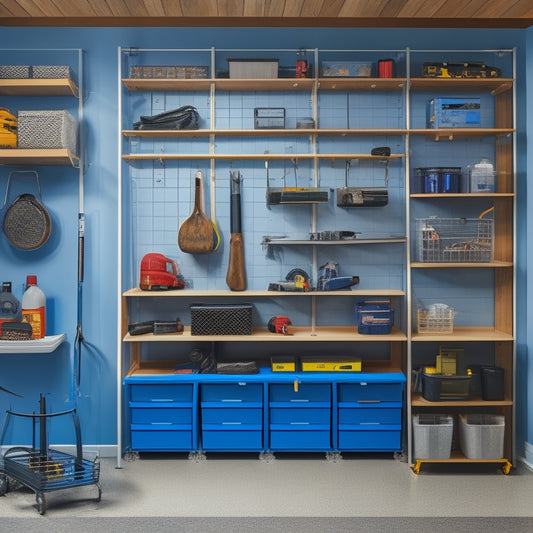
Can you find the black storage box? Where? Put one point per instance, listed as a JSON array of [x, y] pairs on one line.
[[493, 383], [438, 388], [221, 319]]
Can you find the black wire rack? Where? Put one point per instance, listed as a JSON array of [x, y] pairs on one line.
[[43, 469]]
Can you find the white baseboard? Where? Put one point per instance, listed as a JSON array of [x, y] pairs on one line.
[[89, 451], [528, 459]]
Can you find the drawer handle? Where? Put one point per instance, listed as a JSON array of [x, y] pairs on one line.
[[299, 423], [161, 423], [300, 401], [232, 423], [370, 423], [229, 400], [368, 401], [162, 400]]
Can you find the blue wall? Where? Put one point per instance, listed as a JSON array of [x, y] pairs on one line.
[[29, 375]]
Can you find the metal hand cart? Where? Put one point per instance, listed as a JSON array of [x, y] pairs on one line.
[[43, 469]]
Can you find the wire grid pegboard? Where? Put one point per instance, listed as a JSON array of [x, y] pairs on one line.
[[454, 240]]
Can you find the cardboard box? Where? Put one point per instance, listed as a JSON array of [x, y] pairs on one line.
[[453, 113]]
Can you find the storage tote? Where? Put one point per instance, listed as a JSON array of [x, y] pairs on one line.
[[374, 317], [481, 435], [432, 436], [47, 129]]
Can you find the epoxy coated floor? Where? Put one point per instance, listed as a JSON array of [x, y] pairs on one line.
[[243, 485]]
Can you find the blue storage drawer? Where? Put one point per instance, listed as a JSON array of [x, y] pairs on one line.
[[160, 438], [370, 415], [164, 392], [160, 415], [231, 392], [233, 438], [306, 438], [364, 392], [223, 415], [306, 392], [300, 415], [374, 440]]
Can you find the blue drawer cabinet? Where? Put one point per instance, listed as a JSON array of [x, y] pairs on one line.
[[300, 416], [161, 417], [369, 416], [232, 416], [268, 411]]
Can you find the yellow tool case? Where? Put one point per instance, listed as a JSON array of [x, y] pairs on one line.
[[8, 129]]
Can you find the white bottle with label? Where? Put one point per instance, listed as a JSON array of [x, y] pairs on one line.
[[34, 308], [482, 177]]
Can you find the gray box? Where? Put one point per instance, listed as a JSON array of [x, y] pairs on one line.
[[47, 129], [432, 436], [51, 71], [253, 68], [481, 435], [15, 72]]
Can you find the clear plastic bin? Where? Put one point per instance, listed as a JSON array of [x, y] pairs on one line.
[[436, 319]]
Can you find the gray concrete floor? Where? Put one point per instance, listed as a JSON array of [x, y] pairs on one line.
[[291, 485]]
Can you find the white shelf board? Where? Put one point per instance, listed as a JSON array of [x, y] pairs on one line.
[[46, 345]]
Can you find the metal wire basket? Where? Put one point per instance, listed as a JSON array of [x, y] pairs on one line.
[[454, 240]]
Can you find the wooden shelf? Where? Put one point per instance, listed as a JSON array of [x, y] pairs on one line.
[[417, 400], [464, 195], [465, 334], [38, 87], [285, 132], [320, 334], [270, 84], [450, 134], [493, 85], [165, 368], [457, 457], [248, 157], [192, 293], [362, 84], [492, 264], [38, 156]]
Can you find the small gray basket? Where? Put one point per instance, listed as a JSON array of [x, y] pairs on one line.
[[47, 129], [51, 71], [15, 72]]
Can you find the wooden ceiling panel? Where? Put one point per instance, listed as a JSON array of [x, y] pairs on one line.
[[362, 8], [313, 8], [420, 8], [195, 8], [271, 13], [253, 8], [522, 8], [172, 8], [118, 8]]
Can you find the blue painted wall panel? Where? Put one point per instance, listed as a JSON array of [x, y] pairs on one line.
[[170, 188]]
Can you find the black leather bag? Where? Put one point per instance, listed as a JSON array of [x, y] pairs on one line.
[[183, 118]]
